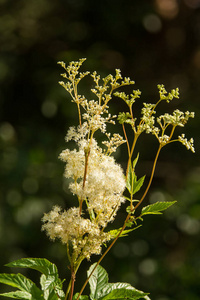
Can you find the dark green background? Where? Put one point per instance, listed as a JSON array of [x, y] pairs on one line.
[[152, 42]]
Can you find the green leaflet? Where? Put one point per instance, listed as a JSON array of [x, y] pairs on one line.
[[133, 185], [40, 264], [51, 285], [100, 289], [97, 281], [82, 297], [115, 232], [28, 287], [18, 295], [124, 293], [134, 200], [156, 208]]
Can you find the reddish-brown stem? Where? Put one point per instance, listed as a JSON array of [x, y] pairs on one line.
[[87, 153], [79, 114], [72, 285]]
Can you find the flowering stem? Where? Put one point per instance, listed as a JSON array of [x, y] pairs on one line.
[[73, 276], [150, 180], [74, 269], [79, 114], [172, 132], [131, 153], [128, 147], [87, 153], [126, 220], [103, 255]]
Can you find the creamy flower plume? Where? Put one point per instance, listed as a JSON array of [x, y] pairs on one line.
[[70, 227], [95, 178]]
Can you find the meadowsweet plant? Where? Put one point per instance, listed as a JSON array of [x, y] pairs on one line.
[[100, 186]]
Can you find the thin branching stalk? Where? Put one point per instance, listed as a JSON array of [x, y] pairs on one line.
[[79, 114], [125, 223], [131, 153], [150, 180], [127, 142], [103, 255]]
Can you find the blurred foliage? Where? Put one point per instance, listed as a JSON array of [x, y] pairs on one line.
[[150, 41]]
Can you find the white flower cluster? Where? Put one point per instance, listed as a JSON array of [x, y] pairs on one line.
[[147, 121], [178, 118], [113, 142], [94, 116], [68, 226], [96, 179], [167, 96], [101, 191], [188, 144]]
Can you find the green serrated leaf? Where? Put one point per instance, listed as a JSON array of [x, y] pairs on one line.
[[131, 175], [138, 184], [22, 283], [110, 287], [130, 179], [40, 264], [50, 281], [156, 208], [46, 281], [82, 297], [128, 210], [124, 233], [102, 290], [17, 280], [129, 224], [97, 280], [17, 295], [135, 161], [133, 185], [53, 295], [124, 293]]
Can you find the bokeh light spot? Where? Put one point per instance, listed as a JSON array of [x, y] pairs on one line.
[[167, 8], [188, 225], [148, 267], [140, 247], [192, 3], [7, 132], [49, 109], [121, 250], [14, 197], [30, 185], [157, 197], [152, 23], [32, 209]]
